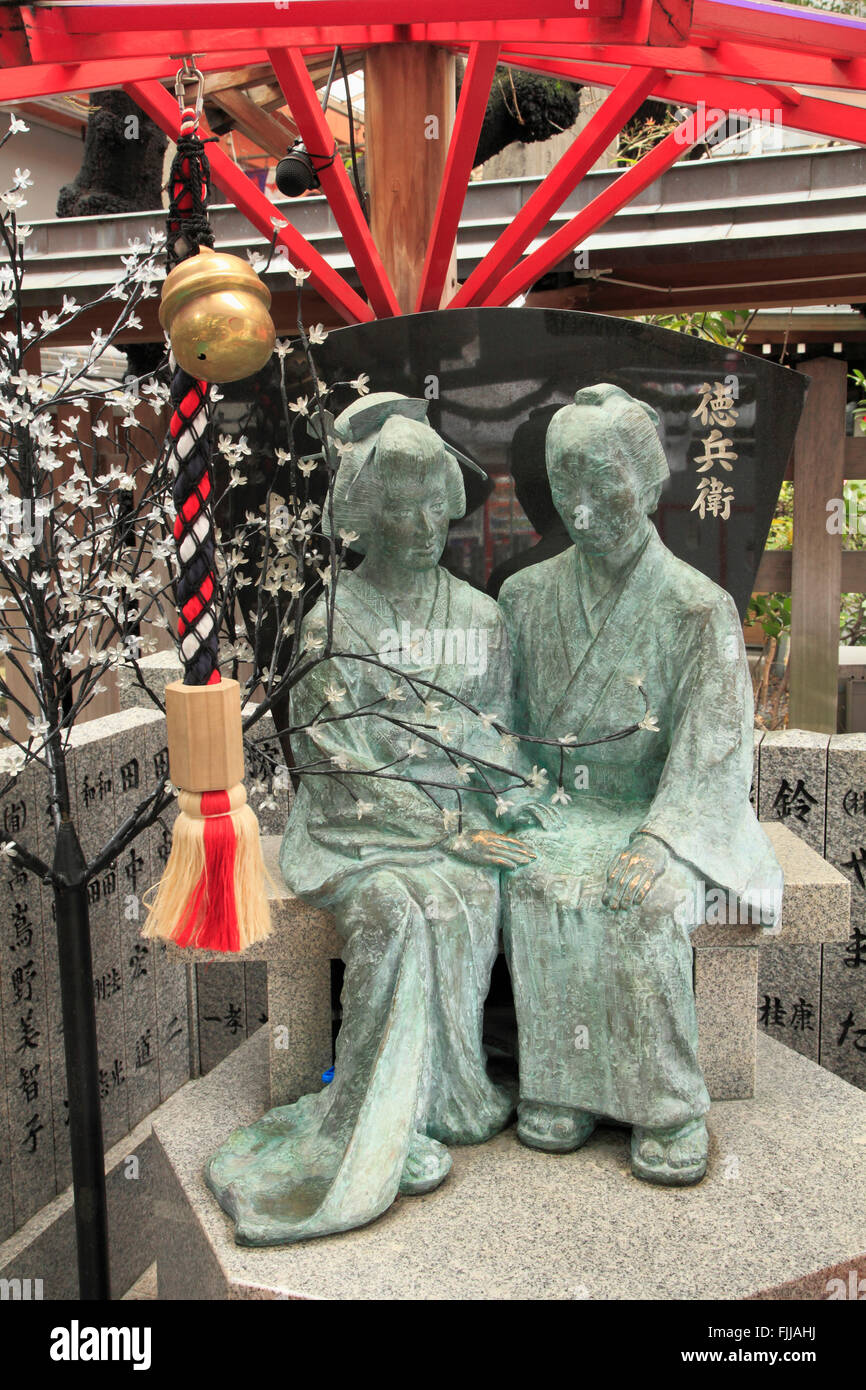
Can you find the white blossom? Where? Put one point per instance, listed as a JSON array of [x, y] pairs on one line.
[[361, 384], [560, 796], [12, 760], [502, 806], [22, 382]]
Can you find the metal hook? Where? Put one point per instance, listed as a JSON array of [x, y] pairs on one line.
[[189, 73]]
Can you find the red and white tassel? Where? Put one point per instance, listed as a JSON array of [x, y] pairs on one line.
[[212, 894]]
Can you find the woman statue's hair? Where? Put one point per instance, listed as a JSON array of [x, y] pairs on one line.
[[371, 471], [608, 413]]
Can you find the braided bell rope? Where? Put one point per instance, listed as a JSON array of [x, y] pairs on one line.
[[189, 429]]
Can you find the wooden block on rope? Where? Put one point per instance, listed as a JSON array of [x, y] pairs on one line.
[[205, 742]]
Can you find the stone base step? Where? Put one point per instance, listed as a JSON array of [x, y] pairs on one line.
[[44, 1248], [781, 1211]]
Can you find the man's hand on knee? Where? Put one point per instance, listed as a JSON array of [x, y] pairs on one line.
[[633, 872]]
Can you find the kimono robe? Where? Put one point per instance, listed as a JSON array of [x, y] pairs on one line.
[[419, 926], [604, 997]]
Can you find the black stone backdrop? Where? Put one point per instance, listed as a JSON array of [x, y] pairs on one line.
[[491, 374]]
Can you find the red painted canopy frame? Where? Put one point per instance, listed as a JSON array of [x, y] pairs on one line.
[[714, 56]]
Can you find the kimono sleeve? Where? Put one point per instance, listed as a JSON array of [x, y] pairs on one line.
[[701, 809], [337, 752]]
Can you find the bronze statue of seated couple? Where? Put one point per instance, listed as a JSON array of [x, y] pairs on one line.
[[573, 789]]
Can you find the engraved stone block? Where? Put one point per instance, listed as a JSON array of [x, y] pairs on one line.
[[793, 782]]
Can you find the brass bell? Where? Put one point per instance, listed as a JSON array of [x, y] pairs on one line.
[[215, 309]]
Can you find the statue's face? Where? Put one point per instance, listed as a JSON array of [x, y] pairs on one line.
[[413, 527], [598, 498]]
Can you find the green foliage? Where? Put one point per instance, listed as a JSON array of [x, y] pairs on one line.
[[772, 612], [860, 379], [720, 326], [781, 535], [852, 614]]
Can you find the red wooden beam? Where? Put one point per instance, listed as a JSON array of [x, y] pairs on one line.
[[633, 88], [298, 89], [816, 115], [725, 59], [51, 44], [262, 14], [48, 44], [81, 32], [468, 118], [601, 209], [669, 21], [56, 79], [258, 209], [13, 42], [780, 26]]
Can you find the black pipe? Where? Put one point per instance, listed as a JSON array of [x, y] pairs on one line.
[[82, 1065]]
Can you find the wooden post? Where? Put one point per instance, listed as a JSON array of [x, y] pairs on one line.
[[816, 565], [409, 102]]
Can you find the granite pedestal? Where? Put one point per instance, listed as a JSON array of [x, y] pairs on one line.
[[304, 943], [781, 1211]]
